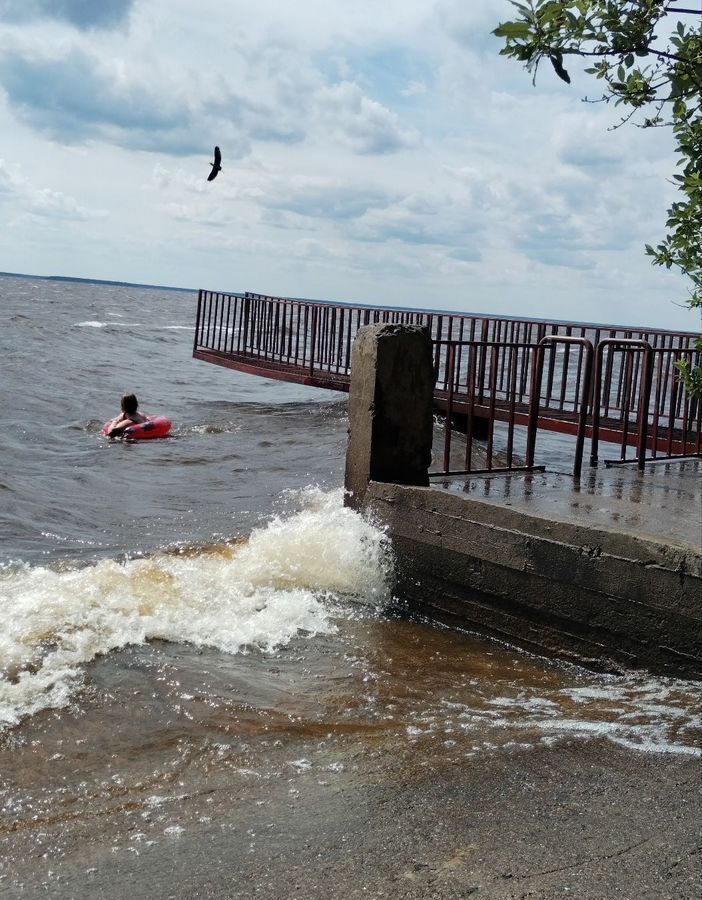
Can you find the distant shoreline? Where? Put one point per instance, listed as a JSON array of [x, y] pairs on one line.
[[71, 278]]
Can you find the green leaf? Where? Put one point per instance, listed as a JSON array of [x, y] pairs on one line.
[[513, 30]]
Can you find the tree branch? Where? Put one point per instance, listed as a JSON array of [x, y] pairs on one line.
[[661, 54]]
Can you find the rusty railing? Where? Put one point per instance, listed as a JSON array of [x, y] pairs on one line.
[[523, 372]]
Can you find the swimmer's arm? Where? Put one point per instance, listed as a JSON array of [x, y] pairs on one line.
[[118, 425]]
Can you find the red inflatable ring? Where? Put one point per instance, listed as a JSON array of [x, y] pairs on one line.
[[154, 427]]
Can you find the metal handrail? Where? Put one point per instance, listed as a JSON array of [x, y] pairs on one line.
[[644, 396], [582, 389], [534, 402], [310, 342]]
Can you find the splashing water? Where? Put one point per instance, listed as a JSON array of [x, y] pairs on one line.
[[289, 577]]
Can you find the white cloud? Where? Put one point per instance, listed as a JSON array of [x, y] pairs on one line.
[[366, 125], [376, 152], [11, 185], [43, 202]]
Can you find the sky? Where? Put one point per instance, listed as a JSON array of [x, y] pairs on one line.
[[372, 152]]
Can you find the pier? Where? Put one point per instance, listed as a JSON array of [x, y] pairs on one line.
[[593, 563], [493, 375]]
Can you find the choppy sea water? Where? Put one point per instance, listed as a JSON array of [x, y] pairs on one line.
[[206, 600]]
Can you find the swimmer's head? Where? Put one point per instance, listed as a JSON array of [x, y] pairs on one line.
[[129, 404]]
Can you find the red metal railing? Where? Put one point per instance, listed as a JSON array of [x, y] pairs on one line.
[[481, 385], [652, 412], [526, 373], [296, 340], [495, 385]]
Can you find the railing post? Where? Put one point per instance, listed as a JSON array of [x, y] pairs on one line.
[[247, 316], [472, 364], [644, 395], [451, 361], [582, 401], [494, 354], [197, 320], [512, 404], [644, 400], [313, 339], [596, 402], [537, 366], [209, 319]]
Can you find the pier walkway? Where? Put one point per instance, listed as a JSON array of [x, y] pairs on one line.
[[663, 503], [500, 380]]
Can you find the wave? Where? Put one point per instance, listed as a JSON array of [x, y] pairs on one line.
[[294, 408], [220, 428], [290, 576], [94, 323]]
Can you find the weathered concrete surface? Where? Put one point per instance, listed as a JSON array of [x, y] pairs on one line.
[[184, 773], [610, 598], [390, 408], [588, 821], [664, 502]]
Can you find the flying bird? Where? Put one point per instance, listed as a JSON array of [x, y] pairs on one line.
[[216, 167]]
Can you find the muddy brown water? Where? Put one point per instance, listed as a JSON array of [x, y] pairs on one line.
[[154, 726]]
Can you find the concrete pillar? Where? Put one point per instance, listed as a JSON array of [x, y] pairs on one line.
[[390, 408]]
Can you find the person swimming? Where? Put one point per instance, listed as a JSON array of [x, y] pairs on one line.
[[129, 416]]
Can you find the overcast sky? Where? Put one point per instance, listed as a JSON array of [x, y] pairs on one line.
[[379, 152]]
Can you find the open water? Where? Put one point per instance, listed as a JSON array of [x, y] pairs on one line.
[[175, 609]]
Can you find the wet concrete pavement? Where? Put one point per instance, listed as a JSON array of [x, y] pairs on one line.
[[586, 821], [392, 760], [664, 502]]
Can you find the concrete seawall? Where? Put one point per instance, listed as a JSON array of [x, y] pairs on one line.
[[610, 599], [603, 568]]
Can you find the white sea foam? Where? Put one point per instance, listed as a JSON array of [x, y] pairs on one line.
[[96, 324], [261, 593], [620, 710]]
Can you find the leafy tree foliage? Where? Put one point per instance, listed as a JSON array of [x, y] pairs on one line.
[[647, 55]]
